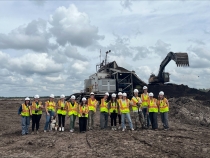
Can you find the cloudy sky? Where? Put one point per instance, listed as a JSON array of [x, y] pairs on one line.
[[51, 47]]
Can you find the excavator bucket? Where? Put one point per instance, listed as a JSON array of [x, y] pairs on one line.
[[181, 59]]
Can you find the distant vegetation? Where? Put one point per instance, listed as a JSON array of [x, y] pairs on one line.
[[204, 90]]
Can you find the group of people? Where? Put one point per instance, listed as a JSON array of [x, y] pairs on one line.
[[144, 108]]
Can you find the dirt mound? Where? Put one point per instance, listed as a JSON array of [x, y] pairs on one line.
[[191, 111]]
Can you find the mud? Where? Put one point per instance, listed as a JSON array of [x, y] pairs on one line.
[[188, 136]]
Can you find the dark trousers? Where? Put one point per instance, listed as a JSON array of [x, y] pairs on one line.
[[35, 121], [104, 119], [61, 119], [153, 119], [113, 119], [119, 118], [82, 124]]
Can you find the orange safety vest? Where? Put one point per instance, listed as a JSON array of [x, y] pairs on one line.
[[135, 100], [72, 110], [152, 104], [163, 105], [124, 106], [83, 110], [35, 107], [104, 106], [92, 104], [144, 99]]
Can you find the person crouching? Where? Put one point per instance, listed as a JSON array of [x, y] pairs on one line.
[[83, 115]]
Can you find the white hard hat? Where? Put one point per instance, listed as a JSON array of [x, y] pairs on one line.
[[36, 96], [113, 95], [62, 96], [52, 96], [27, 98], [136, 91], [151, 94], [120, 93], [73, 97], [161, 93], [145, 87], [107, 93], [91, 93], [84, 99], [124, 94]]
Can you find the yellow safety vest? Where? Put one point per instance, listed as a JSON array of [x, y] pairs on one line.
[[163, 105], [113, 107], [51, 106], [104, 106], [83, 110], [153, 105], [92, 104], [25, 110], [144, 99], [62, 108], [35, 107], [135, 100], [124, 106], [72, 110]]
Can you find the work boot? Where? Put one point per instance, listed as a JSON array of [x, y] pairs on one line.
[[62, 129], [59, 129]]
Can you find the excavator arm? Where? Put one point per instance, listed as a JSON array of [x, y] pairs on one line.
[[181, 59]]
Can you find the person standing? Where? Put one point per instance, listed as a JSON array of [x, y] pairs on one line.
[[104, 111], [36, 109], [72, 112], [92, 104], [25, 112], [153, 111], [163, 105], [144, 99], [137, 112], [83, 115], [119, 115], [62, 110], [113, 111], [124, 105], [50, 108]]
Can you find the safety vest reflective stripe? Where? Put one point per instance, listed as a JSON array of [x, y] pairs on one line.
[[135, 100], [35, 107], [144, 99], [72, 110], [51, 105], [104, 106], [25, 110], [83, 110], [113, 106], [153, 106], [92, 104], [163, 105], [124, 106], [62, 105]]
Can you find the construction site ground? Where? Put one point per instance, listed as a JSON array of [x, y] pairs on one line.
[[188, 136]]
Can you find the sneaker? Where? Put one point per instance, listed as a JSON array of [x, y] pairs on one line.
[[123, 129], [119, 127], [62, 129], [59, 129], [132, 129], [45, 131], [32, 133], [113, 128], [37, 132], [71, 131]]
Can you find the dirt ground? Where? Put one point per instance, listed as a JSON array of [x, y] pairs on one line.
[[188, 136]]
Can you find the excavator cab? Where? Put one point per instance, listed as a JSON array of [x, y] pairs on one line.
[[181, 60]]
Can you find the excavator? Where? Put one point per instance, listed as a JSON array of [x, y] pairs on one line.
[[181, 60]]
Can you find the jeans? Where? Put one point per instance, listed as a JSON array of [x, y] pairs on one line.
[[113, 119], [82, 124], [48, 118], [164, 119], [91, 116], [61, 119], [72, 121], [103, 120], [35, 121], [146, 117], [153, 119], [129, 120], [25, 124]]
